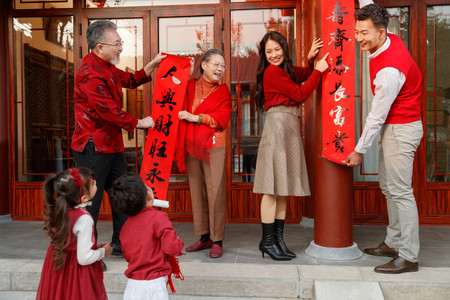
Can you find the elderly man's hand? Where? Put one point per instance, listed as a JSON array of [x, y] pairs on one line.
[[151, 66], [158, 58], [146, 122], [354, 159], [191, 71]]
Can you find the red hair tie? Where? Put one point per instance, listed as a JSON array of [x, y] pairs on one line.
[[76, 178]]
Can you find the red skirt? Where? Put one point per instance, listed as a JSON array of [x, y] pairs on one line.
[[74, 281]]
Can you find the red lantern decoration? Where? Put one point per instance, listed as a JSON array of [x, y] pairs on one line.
[[99, 3]]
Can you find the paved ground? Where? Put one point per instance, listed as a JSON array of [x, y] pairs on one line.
[[27, 240], [242, 273]]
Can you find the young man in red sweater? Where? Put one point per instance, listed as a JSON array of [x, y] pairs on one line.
[[396, 115]]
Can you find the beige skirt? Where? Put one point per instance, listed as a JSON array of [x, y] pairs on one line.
[[281, 165]]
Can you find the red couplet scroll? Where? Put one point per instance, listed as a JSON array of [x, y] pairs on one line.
[[168, 98], [338, 84]]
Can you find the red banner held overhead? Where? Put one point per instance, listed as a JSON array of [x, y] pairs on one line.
[[338, 85], [168, 98]]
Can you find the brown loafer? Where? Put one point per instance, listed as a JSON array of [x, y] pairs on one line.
[[382, 250], [398, 265], [216, 251], [199, 245]]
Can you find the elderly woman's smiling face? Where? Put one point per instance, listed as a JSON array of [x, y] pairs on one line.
[[214, 68]]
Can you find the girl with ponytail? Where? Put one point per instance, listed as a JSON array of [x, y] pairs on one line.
[[72, 266]]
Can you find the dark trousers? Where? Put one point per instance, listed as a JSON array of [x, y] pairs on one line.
[[107, 168]]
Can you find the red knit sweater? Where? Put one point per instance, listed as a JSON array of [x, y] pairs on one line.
[[406, 107], [280, 89], [147, 240]]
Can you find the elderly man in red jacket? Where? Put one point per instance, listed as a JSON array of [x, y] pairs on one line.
[[99, 119]]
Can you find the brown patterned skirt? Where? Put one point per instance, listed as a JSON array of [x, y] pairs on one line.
[[281, 166]]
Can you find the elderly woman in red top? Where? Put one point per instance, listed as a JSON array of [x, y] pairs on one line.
[[281, 167], [202, 151]]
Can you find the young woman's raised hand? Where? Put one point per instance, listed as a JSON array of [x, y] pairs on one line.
[[315, 47], [322, 65]]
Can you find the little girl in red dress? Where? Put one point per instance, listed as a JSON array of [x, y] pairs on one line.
[[72, 266]]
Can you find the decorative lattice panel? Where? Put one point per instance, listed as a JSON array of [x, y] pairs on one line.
[[36, 94], [46, 118]]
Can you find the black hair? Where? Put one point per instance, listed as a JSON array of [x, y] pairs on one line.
[[128, 194], [377, 14], [61, 194], [264, 63]]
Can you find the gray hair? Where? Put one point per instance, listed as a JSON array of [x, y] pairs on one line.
[[94, 33], [208, 55]]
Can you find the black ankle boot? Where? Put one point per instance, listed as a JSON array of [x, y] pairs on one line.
[[278, 235], [268, 245]]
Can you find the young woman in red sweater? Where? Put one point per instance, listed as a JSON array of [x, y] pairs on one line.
[[281, 167]]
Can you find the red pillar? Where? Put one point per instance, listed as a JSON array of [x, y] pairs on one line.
[[333, 222], [5, 81], [332, 188]]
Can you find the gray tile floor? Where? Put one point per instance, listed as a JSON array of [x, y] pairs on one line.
[[27, 240]]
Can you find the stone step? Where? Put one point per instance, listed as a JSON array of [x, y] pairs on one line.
[[257, 281], [347, 290], [222, 280], [426, 284], [8, 295], [13, 295]]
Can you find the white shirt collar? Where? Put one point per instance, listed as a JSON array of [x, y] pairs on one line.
[[83, 205], [386, 45]]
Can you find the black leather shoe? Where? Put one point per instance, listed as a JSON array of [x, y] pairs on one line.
[[117, 250], [382, 250], [104, 268], [398, 265]]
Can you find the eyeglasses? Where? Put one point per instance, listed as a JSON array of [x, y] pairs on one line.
[[116, 44], [218, 65]]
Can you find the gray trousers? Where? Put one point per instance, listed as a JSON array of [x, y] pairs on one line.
[[398, 145]]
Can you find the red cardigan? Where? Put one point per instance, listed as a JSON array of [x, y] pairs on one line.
[[98, 104], [147, 240], [280, 89]]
